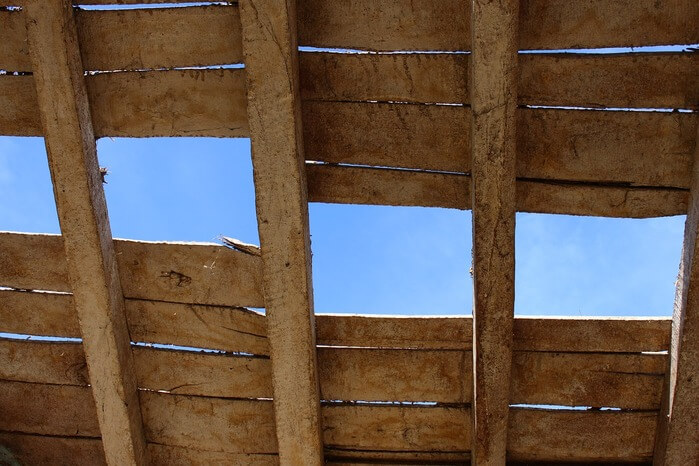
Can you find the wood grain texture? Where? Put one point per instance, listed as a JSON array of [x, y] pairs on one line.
[[677, 433], [274, 114], [87, 239], [138, 39], [329, 183], [424, 25], [57, 451], [177, 272], [493, 87], [586, 436], [639, 80]]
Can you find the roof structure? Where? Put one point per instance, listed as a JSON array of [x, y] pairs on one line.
[[154, 355]]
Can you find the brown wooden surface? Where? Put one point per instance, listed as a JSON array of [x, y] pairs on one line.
[[137, 39], [176, 272], [677, 441], [640, 80], [493, 88], [231, 329], [82, 212], [274, 114]]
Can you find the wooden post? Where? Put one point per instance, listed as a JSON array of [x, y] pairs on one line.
[[82, 212], [493, 103], [271, 63], [677, 436]]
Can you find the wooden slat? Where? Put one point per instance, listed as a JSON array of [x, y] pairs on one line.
[[228, 329], [56, 451], [425, 25], [542, 435], [626, 381], [678, 436], [87, 238], [493, 72], [178, 272], [274, 114], [167, 455], [376, 186], [639, 148], [640, 80], [137, 39]]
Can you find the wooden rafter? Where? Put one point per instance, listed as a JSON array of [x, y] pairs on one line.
[[87, 239], [493, 102], [271, 62], [677, 437]]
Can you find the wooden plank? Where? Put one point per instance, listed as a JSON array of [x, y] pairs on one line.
[[169, 103], [215, 424], [396, 428], [339, 456], [394, 375], [189, 373], [585, 436], [177, 272], [58, 451], [636, 148], [493, 72], [378, 186], [626, 381], [424, 25], [34, 313], [87, 239], [639, 80], [167, 455], [61, 410], [139, 39], [274, 113], [678, 436]]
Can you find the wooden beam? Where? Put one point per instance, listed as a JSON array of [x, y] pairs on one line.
[[82, 212], [493, 102], [271, 62], [677, 437]]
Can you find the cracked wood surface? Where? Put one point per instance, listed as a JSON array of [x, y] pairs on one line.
[[274, 116], [87, 240], [677, 440]]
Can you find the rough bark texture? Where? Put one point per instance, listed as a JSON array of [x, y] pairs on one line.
[[274, 114], [493, 144], [82, 212]]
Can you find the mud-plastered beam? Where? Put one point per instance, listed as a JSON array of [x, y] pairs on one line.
[[494, 102], [677, 436], [271, 63], [87, 238]]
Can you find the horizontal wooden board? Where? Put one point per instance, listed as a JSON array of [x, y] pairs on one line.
[[239, 426], [179, 272], [336, 184], [639, 80], [426, 25], [69, 451], [638, 148], [589, 436], [228, 329], [142, 104], [53, 450], [137, 39], [627, 381]]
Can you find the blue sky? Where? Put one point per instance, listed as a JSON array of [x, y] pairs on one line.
[[366, 259]]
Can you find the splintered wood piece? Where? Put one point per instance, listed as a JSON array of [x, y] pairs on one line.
[[494, 27], [677, 440], [87, 239], [274, 116]]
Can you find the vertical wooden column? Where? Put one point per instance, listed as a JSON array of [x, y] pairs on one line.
[[82, 212], [493, 102], [677, 437], [271, 62]]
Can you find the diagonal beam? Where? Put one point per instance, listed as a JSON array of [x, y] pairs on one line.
[[271, 63], [494, 102], [82, 212], [677, 436]]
